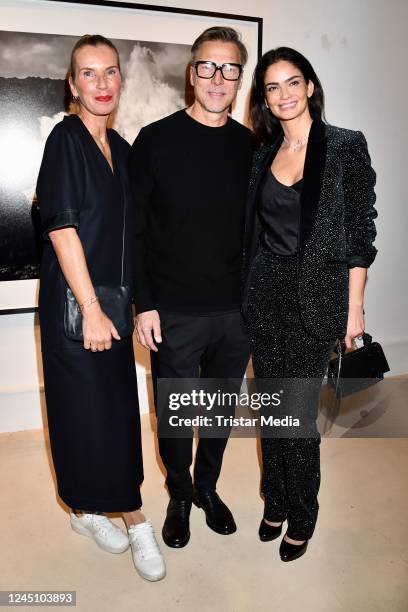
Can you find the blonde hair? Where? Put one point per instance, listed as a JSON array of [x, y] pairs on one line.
[[93, 40]]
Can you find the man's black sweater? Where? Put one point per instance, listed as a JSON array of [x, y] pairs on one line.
[[190, 184]]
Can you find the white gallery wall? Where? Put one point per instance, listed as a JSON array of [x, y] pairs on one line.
[[359, 51]]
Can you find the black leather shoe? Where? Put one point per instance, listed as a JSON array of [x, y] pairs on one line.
[[290, 552], [218, 515], [267, 533], [176, 528]]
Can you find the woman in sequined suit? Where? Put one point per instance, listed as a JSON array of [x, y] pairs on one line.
[[308, 243]]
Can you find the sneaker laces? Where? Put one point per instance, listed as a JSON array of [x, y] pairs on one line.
[[142, 536], [103, 524]]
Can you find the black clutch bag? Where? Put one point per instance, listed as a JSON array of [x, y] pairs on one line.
[[352, 372], [116, 303]]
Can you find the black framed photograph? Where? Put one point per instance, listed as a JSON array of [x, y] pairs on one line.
[[36, 38]]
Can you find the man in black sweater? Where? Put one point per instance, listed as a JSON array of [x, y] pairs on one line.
[[190, 175]]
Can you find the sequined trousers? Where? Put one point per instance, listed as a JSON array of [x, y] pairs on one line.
[[282, 348]]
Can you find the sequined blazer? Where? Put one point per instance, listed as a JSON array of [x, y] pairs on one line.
[[336, 230]]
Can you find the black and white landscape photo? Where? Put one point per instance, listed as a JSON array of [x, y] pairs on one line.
[[33, 69]]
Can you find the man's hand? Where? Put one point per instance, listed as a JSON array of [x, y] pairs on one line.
[[148, 328]]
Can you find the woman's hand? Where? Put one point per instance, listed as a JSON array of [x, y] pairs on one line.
[[98, 330], [355, 324], [355, 321]]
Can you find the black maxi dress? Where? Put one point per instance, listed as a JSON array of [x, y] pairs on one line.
[[92, 401]]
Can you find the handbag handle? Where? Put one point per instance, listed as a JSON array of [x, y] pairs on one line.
[[124, 225], [340, 349], [367, 339]]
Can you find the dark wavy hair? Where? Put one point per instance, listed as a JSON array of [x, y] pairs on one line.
[[267, 127]]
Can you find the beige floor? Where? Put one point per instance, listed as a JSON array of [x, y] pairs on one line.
[[356, 562]]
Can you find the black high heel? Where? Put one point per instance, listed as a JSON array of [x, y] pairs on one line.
[[290, 552], [267, 533]]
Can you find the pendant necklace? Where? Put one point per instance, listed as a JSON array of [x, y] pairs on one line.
[[295, 146]]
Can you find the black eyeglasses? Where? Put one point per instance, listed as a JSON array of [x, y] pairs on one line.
[[206, 70]]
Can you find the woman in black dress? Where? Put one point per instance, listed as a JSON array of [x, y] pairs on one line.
[[90, 387], [308, 244]]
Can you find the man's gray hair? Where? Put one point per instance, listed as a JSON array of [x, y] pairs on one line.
[[222, 34]]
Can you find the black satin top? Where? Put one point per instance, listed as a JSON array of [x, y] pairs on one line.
[[279, 215]]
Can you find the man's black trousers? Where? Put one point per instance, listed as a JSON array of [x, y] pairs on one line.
[[193, 346]]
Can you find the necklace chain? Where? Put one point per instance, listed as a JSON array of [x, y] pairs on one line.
[[295, 146]]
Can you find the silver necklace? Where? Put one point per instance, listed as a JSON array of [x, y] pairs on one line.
[[295, 146]]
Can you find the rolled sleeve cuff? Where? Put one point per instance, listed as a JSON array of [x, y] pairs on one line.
[[65, 218], [361, 261]]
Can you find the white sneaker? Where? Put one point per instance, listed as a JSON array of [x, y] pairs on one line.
[[106, 534], [148, 560]]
